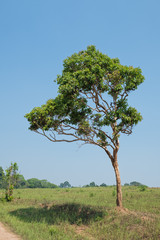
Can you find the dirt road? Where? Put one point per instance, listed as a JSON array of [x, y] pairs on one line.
[[6, 234]]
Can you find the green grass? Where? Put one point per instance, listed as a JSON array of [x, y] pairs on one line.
[[82, 213]]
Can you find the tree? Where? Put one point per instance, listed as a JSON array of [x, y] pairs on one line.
[[46, 184], [126, 184], [34, 183], [92, 184], [134, 183], [21, 182], [91, 106], [66, 184], [11, 179]]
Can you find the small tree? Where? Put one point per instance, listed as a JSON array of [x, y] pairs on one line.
[[92, 184], [66, 184], [21, 182], [91, 106], [11, 179]]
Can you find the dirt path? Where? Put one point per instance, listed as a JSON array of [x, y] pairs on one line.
[[6, 234]]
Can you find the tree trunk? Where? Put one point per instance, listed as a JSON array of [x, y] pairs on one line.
[[118, 181]]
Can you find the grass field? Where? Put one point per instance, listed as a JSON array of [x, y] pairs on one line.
[[82, 213]]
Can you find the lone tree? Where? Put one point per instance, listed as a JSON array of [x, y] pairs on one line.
[[11, 179], [91, 105]]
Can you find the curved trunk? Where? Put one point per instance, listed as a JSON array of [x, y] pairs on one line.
[[118, 180]]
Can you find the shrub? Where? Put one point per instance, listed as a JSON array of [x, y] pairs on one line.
[[143, 188]]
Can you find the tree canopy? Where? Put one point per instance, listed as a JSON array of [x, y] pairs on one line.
[[36, 183], [89, 75]]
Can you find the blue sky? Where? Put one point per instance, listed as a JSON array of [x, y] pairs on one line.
[[35, 37]]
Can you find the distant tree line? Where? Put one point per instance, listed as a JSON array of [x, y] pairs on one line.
[[36, 183], [29, 183], [22, 183], [134, 183], [92, 184], [66, 184]]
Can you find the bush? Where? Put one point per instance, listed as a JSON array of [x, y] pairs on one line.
[[143, 188]]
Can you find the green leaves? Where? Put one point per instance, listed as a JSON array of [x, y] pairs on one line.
[[11, 178], [42, 117], [102, 138], [84, 129], [133, 79], [128, 116], [93, 92], [89, 68]]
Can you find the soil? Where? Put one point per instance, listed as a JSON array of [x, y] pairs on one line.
[[6, 234]]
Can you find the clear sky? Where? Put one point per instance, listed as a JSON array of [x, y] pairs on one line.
[[35, 37]]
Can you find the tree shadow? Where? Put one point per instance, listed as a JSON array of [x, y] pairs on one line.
[[72, 213]]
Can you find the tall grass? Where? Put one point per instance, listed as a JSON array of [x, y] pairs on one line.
[[82, 213]]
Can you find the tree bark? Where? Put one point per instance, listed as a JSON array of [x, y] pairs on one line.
[[118, 181]]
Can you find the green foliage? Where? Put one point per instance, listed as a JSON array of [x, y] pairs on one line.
[[21, 182], [1, 173], [137, 184], [36, 183], [14, 180], [92, 184], [46, 184], [66, 184], [53, 231], [126, 184], [143, 188], [114, 193], [103, 185], [134, 183], [82, 105], [2, 178], [91, 194], [11, 179]]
